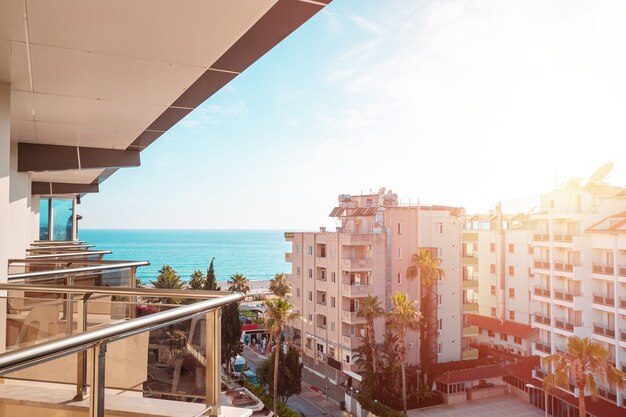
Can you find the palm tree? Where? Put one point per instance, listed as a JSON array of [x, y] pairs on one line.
[[402, 317], [279, 285], [584, 362], [169, 279], [369, 311], [239, 283], [197, 280], [428, 269], [279, 313]]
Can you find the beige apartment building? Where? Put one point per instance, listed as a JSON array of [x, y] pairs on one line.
[[368, 254], [550, 274]]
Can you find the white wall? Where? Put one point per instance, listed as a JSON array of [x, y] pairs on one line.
[[20, 212]]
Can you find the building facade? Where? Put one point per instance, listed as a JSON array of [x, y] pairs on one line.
[[368, 254]]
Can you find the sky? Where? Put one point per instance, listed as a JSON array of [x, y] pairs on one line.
[[451, 102]]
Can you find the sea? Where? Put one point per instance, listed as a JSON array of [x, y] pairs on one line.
[[257, 254]]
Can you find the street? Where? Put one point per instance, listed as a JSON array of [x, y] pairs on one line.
[[308, 402]]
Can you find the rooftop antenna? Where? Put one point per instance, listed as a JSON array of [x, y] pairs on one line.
[[600, 173]]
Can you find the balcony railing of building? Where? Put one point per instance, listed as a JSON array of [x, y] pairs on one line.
[[603, 299], [140, 348], [542, 292], [603, 331], [541, 237], [563, 266], [565, 325], [542, 319], [563, 295], [603, 269], [563, 237], [622, 303], [543, 264], [543, 347]]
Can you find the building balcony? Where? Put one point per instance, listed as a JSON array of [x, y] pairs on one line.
[[351, 342], [563, 237], [603, 269], [470, 306], [470, 259], [566, 328], [356, 239], [541, 264], [355, 290], [470, 331], [541, 237], [321, 285], [288, 256], [603, 300], [542, 320], [320, 261], [544, 293], [354, 265], [470, 284], [470, 236], [321, 308], [563, 267], [350, 367], [469, 354], [541, 349], [351, 317], [600, 330]]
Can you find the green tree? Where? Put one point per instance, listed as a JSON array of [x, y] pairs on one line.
[[197, 280], [168, 279], [585, 362], [231, 335], [289, 374], [239, 283], [402, 317], [211, 283], [279, 285], [370, 310], [427, 269], [279, 313]]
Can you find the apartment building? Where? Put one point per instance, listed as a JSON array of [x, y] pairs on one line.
[[368, 254], [497, 255]]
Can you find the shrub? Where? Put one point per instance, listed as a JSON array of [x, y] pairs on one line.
[[259, 391], [377, 408]]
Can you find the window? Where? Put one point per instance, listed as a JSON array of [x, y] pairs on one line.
[[323, 275], [56, 219], [440, 324], [439, 276], [492, 247], [310, 250], [440, 301], [332, 277], [331, 350], [298, 249], [493, 290], [332, 327], [310, 295], [440, 348], [309, 342], [440, 253], [332, 252], [347, 359], [369, 202], [511, 315], [324, 321], [511, 292], [491, 333], [399, 253], [332, 302], [399, 278], [511, 248], [399, 229], [511, 270], [297, 270], [298, 292], [323, 298], [310, 273], [493, 311], [492, 268], [503, 336], [320, 348], [518, 340], [310, 318], [439, 228]]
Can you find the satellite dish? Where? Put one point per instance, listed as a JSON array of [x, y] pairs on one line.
[[600, 173], [573, 182]]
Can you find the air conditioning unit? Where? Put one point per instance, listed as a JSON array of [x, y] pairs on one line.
[[411, 345]]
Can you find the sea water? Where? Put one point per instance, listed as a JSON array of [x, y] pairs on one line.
[[258, 254]]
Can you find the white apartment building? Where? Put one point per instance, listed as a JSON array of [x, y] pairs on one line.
[[369, 253]]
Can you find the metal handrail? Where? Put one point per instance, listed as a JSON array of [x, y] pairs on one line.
[[56, 247], [46, 261], [70, 254], [44, 352], [57, 242], [135, 292], [54, 272]]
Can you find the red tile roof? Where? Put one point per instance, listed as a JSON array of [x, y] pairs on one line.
[[508, 327], [471, 374]]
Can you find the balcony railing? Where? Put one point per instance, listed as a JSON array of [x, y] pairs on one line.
[[563, 237], [87, 332], [541, 237], [563, 266], [542, 264], [603, 299], [540, 318], [562, 295], [542, 292], [357, 263], [603, 331], [564, 325], [603, 269], [545, 348]]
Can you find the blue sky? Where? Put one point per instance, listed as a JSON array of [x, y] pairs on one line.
[[454, 102]]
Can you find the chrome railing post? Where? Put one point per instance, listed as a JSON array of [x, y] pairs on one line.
[[81, 357], [132, 283], [69, 306], [213, 362], [96, 399]]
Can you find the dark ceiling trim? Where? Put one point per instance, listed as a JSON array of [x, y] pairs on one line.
[[38, 157], [50, 188]]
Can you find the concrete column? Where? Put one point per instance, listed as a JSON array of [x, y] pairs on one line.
[[5, 170]]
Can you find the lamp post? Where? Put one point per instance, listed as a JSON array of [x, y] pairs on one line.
[[545, 396]]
